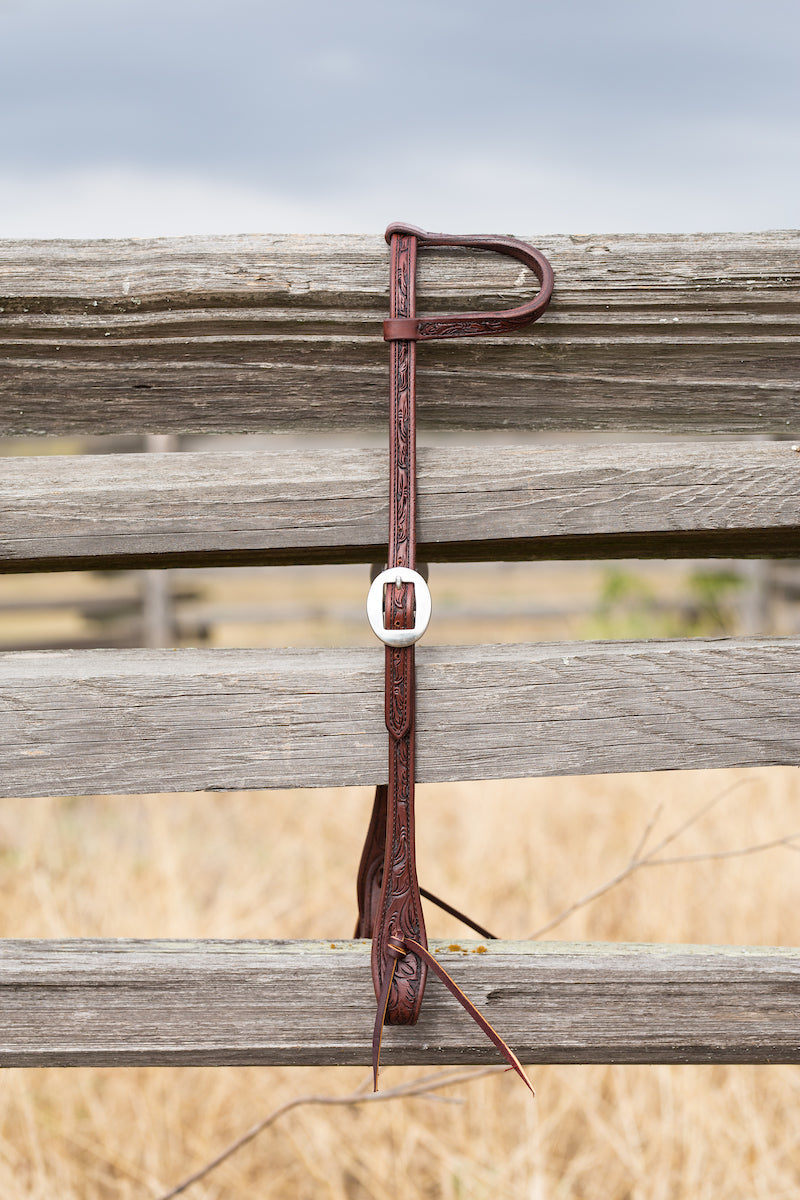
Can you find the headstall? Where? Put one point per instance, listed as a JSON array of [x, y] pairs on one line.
[[398, 609]]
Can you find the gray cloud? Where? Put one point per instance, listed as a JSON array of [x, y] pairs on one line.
[[311, 98]]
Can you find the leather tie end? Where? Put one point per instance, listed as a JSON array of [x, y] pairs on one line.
[[396, 947]]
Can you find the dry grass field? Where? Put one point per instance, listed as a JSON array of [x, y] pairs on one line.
[[516, 855], [237, 866]]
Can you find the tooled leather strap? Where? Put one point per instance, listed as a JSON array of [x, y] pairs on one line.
[[370, 876], [393, 917], [399, 911]]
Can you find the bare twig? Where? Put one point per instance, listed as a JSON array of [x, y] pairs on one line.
[[638, 859], [790, 841], [423, 1086], [698, 814], [588, 898], [648, 829]]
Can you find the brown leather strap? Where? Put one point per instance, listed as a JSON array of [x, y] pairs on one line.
[[400, 957], [370, 869], [370, 876], [399, 910]]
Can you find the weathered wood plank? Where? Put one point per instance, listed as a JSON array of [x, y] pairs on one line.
[[117, 1003], [658, 332], [332, 505], [186, 720]]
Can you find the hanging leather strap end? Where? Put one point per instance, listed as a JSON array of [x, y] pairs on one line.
[[395, 950], [477, 1016]]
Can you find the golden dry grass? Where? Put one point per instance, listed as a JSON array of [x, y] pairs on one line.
[[514, 854]]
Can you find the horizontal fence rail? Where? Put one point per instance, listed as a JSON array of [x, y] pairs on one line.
[[652, 501], [84, 1003], [675, 333], [684, 335], [99, 721]]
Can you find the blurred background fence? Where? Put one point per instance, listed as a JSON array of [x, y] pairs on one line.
[[296, 606]]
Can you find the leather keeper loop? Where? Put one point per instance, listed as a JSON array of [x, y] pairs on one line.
[[401, 329]]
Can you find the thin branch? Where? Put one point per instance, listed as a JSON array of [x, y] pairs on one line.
[[696, 816], [648, 829], [423, 1086], [639, 860], [790, 840], [588, 898]]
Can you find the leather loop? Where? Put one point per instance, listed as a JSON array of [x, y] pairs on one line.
[[370, 876], [424, 329], [370, 869], [401, 329]]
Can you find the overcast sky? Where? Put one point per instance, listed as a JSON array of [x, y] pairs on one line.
[[156, 117]]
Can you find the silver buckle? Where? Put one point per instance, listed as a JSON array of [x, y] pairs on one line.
[[422, 606]]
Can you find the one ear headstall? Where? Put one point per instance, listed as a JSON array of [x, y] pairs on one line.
[[398, 608]]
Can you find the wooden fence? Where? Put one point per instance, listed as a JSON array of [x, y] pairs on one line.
[[691, 337]]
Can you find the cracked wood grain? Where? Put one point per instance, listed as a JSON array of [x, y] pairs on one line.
[[730, 500], [677, 333], [88, 722], [92, 1003]]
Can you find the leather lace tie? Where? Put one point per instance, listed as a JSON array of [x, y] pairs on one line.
[[398, 607]]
